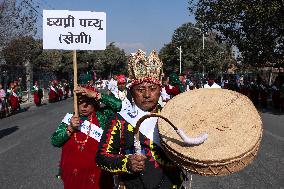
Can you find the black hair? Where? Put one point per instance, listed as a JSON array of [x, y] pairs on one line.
[[88, 100]]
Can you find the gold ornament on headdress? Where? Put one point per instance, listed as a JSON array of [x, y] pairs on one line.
[[140, 66]]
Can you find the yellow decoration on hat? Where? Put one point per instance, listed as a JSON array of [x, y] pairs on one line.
[[140, 66]]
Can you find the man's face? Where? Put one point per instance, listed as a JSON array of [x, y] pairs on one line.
[[121, 86], [86, 106], [146, 95]]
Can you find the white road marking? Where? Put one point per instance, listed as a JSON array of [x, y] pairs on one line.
[[9, 147]]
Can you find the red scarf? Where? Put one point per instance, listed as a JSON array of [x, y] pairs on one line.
[[79, 169]]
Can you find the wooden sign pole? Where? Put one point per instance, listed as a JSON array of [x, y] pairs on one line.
[[75, 82]]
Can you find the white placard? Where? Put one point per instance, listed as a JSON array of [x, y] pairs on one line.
[[95, 132], [74, 30]]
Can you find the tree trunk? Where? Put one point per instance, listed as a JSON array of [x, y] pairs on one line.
[[29, 80]]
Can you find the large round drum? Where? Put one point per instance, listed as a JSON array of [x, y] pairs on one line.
[[229, 118]]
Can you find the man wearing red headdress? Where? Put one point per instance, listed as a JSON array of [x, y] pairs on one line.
[[38, 94], [13, 97], [211, 84], [140, 163], [122, 92], [79, 138], [53, 92]]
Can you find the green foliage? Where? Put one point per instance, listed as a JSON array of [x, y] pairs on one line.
[[106, 62], [50, 59], [22, 49], [19, 50], [215, 56], [102, 62], [169, 56], [255, 27]]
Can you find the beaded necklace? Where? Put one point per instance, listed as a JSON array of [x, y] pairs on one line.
[[82, 143]]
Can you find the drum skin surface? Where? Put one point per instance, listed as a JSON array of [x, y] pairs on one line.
[[229, 118]]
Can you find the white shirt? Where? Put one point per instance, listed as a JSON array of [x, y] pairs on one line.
[[148, 127], [165, 95], [122, 95], [214, 86], [112, 85]]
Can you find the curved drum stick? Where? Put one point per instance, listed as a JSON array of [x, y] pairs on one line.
[[186, 139]]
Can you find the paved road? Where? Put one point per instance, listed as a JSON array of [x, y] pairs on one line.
[[266, 171], [28, 160]]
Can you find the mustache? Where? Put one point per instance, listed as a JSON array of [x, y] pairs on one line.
[[148, 100]]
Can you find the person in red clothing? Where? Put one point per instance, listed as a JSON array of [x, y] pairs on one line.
[[60, 90], [53, 92], [66, 88], [79, 137], [38, 94], [13, 98], [175, 86]]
